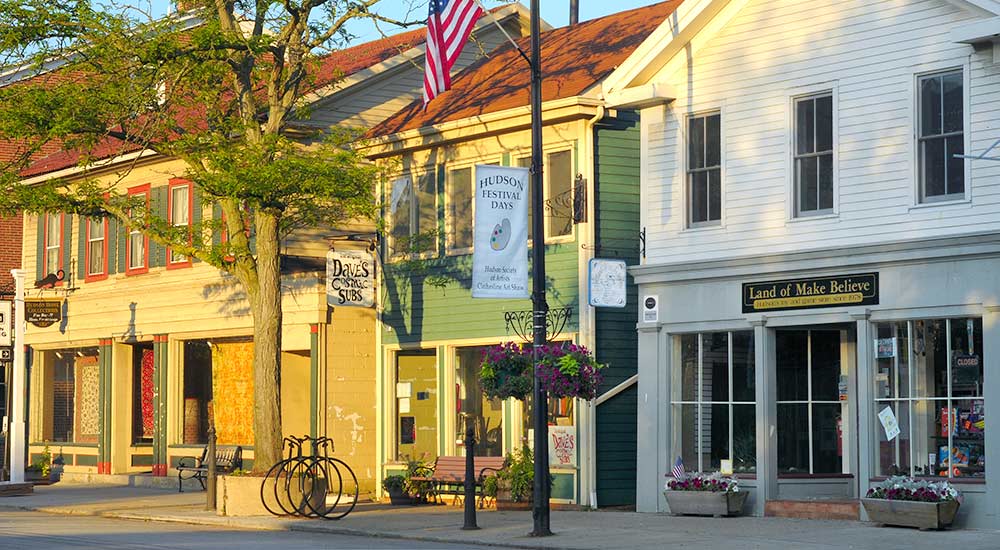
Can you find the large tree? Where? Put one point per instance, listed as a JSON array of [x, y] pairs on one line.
[[219, 86]]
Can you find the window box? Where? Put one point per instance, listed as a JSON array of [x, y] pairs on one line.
[[705, 503], [923, 515]]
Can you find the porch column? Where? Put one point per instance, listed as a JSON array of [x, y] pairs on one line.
[[991, 392], [104, 396], [767, 414], [160, 463], [653, 422], [863, 402], [314, 418]]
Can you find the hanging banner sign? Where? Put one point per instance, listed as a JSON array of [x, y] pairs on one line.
[[42, 312], [6, 324], [500, 253], [562, 446], [837, 290], [350, 278]]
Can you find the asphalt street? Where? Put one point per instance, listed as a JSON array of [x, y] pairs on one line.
[[22, 530]]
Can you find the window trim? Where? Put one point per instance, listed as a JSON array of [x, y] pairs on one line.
[[88, 276], [685, 152], [938, 69], [129, 270], [821, 90], [559, 148], [414, 177], [174, 183], [449, 234], [46, 269]]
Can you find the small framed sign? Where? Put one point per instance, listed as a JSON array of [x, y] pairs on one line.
[[607, 280], [6, 324]]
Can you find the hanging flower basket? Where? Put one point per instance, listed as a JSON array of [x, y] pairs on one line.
[[564, 370], [506, 371]]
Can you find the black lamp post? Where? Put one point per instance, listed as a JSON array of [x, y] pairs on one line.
[[540, 508]]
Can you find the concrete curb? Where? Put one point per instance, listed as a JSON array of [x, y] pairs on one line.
[[307, 526]]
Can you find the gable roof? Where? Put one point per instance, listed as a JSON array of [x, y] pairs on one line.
[[574, 59]]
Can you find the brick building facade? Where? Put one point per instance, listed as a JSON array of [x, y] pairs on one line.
[[10, 251]]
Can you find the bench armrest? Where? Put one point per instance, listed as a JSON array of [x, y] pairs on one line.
[[189, 462]]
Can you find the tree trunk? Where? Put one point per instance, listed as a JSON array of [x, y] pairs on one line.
[[265, 303]]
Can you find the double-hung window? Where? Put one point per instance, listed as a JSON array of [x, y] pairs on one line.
[[458, 195], [813, 156], [941, 136], [137, 252], [413, 215], [97, 249], [713, 388], [558, 197], [180, 206], [704, 170], [53, 243]]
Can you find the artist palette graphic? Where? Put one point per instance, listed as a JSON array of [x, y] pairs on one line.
[[501, 235]]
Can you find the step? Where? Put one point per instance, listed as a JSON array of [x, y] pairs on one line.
[[814, 509], [129, 480]]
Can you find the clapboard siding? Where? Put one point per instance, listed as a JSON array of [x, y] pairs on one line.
[[616, 158], [869, 54]]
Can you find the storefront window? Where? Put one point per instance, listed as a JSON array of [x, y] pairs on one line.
[[929, 384], [416, 405], [142, 393], [72, 386], [197, 391], [714, 401], [471, 405]]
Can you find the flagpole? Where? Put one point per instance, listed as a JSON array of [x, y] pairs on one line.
[[540, 507]]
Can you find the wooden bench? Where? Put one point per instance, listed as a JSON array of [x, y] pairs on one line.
[[227, 460], [448, 475]]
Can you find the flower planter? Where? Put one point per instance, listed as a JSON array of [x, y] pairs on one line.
[[506, 504], [907, 513], [399, 497], [706, 503]]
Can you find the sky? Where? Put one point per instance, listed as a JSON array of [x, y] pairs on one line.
[[555, 12]]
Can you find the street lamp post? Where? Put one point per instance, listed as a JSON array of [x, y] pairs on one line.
[[540, 508]]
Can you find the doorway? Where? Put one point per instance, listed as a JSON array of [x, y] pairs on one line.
[[813, 373]]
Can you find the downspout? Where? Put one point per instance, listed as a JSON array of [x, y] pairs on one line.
[[588, 325]]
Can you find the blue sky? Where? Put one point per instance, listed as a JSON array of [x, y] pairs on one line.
[[555, 12]]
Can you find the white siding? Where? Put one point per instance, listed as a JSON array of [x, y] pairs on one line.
[[868, 53]]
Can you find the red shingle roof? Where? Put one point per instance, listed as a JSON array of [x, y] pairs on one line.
[[573, 59]]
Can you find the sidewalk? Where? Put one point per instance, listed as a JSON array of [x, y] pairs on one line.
[[574, 530]]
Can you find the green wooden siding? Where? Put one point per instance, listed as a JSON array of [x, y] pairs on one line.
[[417, 309], [617, 206]]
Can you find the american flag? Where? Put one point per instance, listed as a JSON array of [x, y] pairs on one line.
[[449, 23], [678, 470]]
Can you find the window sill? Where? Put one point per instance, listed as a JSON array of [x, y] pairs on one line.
[[179, 265], [815, 217], [95, 278], [136, 271], [933, 204], [703, 228]]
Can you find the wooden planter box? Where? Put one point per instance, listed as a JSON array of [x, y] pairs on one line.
[[923, 515], [506, 504], [705, 503]]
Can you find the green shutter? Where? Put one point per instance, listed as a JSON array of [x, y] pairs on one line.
[[81, 247], [440, 209], [158, 207], [217, 232], [112, 240], [505, 161], [67, 254], [196, 218], [40, 248], [121, 242]]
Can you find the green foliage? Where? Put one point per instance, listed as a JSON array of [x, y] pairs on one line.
[[43, 464], [517, 475], [394, 483]]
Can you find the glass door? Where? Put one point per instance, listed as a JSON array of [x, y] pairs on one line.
[[811, 402]]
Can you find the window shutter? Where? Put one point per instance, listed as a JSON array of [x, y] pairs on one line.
[[158, 207], [40, 248], [217, 233], [196, 217], [81, 247], [505, 161], [112, 240], [67, 252]]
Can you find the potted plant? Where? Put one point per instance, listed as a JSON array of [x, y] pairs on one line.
[[395, 485], [513, 485], [40, 470], [705, 495], [901, 500]]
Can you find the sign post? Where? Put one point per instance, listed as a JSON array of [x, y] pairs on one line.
[[16, 406]]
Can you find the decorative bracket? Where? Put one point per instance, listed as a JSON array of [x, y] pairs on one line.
[[521, 322]]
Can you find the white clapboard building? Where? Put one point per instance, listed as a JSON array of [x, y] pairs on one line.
[[825, 266]]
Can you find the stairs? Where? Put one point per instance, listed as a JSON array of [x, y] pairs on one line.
[[814, 509]]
